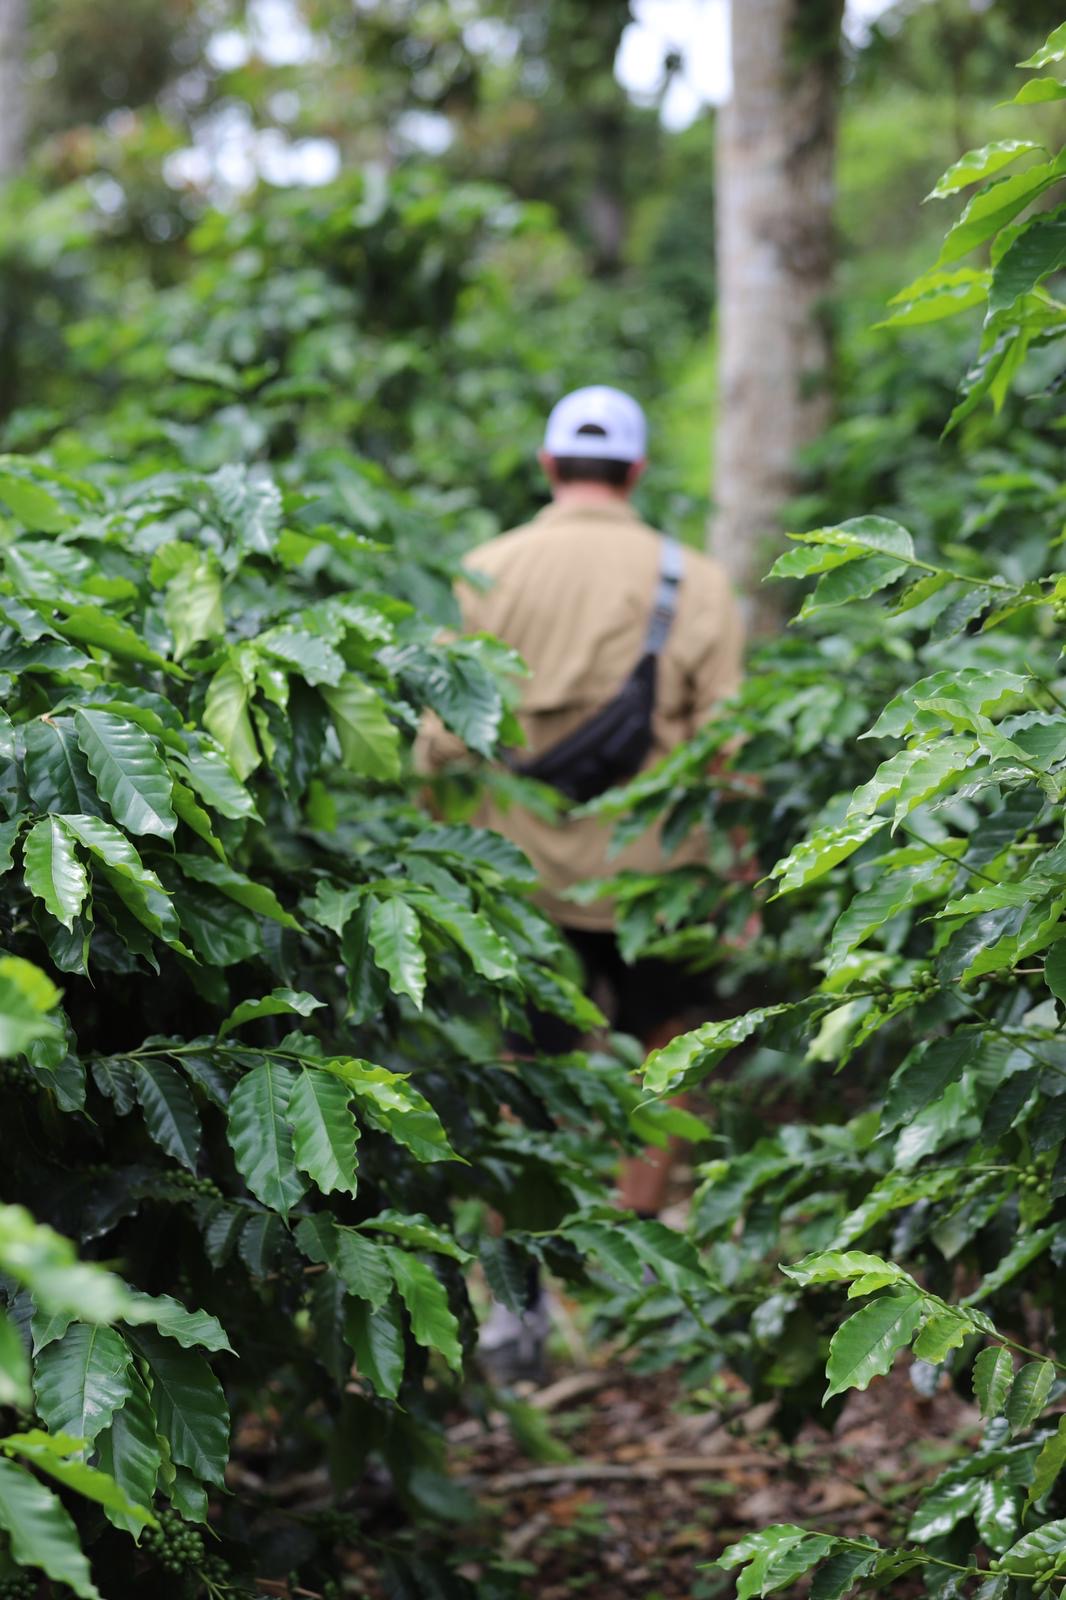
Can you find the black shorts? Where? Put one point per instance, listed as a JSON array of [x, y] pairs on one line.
[[636, 999]]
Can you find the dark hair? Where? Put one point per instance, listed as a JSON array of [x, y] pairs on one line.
[[593, 469]]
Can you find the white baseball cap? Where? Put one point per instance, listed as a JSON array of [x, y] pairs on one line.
[[617, 429]]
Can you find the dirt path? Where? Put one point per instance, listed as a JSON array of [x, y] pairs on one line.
[[654, 1487]]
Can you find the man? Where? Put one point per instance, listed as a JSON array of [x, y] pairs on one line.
[[585, 592]]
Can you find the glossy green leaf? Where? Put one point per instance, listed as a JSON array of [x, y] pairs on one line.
[[842, 1266], [1037, 252], [190, 1329], [361, 1263], [814, 857], [993, 207], [170, 1113], [1028, 1394], [941, 1334], [260, 1137], [417, 1232], [56, 1455], [257, 897], [226, 716], [54, 872], [188, 810], [9, 832], [110, 845], [389, 1101], [377, 1341], [129, 1451], [120, 865], [193, 606], [866, 536], [997, 1515], [41, 1531], [993, 1374], [856, 581], [486, 951], [57, 773], [46, 1264], [221, 934], [81, 1380], [896, 1190], [838, 1576], [1039, 91], [1036, 1551], [871, 910], [90, 625], [1055, 970], [1025, 1249], [924, 1076], [943, 1510], [189, 1405], [370, 744], [865, 1346], [466, 697], [977, 165], [216, 782], [1049, 1463], [913, 776], [785, 1565], [1053, 49], [279, 1003], [433, 1322], [981, 689], [935, 296], [324, 1133], [396, 938], [14, 1367], [26, 999], [316, 660], [700, 1051], [30, 504], [130, 774]]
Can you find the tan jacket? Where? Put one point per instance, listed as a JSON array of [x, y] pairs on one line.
[[572, 592]]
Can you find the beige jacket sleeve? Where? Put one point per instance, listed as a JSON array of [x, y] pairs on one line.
[[719, 669]]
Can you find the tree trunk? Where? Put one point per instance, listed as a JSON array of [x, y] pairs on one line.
[[12, 87], [774, 197]]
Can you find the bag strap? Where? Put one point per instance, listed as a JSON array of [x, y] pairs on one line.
[[664, 609]]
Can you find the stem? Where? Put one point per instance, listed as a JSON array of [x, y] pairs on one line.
[[947, 855], [925, 1558], [1011, 1038], [1048, 690]]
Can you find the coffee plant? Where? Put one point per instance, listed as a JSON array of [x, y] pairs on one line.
[[268, 1025], [905, 768]]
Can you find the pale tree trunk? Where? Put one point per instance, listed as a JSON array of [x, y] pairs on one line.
[[774, 199], [12, 87]]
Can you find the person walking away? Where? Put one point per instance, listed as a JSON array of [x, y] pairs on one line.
[[631, 643]]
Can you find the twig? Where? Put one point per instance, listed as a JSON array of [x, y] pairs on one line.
[[281, 1488], [571, 1385], [279, 1587], [611, 1471], [517, 1543]]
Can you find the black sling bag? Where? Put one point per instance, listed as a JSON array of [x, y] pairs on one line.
[[611, 746]]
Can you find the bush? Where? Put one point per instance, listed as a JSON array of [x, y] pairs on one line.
[[913, 941]]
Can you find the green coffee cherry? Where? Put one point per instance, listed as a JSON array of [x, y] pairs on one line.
[[176, 1546], [19, 1586]]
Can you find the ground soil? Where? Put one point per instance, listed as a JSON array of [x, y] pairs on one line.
[[655, 1486], [658, 1487]]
